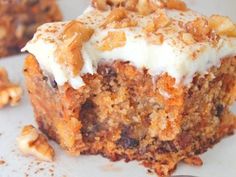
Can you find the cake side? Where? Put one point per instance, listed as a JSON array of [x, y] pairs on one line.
[[121, 114], [19, 21]]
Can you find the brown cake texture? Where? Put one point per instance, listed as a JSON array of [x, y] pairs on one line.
[[115, 117], [19, 20], [121, 111]]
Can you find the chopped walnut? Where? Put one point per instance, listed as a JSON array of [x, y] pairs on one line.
[[160, 21], [146, 7], [9, 93], [222, 25], [116, 15], [113, 40], [100, 4], [156, 39], [187, 38], [69, 53], [127, 22], [104, 4], [176, 4], [131, 4], [199, 28], [115, 2], [31, 142], [194, 160]]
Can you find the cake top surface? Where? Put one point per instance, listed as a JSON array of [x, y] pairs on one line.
[[161, 36]]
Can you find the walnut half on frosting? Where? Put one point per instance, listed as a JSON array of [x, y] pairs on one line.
[[31, 142], [69, 53], [9, 93]]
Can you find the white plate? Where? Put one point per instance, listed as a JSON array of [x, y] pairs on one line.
[[218, 162]]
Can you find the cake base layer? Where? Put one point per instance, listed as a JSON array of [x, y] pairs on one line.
[[19, 21], [123, 113]]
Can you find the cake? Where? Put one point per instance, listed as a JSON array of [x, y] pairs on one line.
[[150, 81], [20, 19]]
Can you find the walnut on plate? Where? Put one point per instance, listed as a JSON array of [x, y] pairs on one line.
[[31, 142], [9, 93]]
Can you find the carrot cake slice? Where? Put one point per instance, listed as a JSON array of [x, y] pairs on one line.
[[135, 80], [19, 20]]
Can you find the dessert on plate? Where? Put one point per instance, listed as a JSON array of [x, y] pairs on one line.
[[137, 80], [20, 19]]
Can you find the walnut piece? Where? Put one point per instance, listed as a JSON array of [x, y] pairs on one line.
[[161, 21], [145, 7], [116, 15], [125, 23], [176, 4], [156, 38], [31, 142], [222, 25], [199, 28], [113, 40], [100, 4], [9, 93], [69, 53], [187, 38]]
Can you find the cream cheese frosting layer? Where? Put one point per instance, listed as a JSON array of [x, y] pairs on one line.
[[179, 59]]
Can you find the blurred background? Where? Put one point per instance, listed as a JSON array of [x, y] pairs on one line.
[[71, 8]]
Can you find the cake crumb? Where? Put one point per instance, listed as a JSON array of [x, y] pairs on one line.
[[194, 160]]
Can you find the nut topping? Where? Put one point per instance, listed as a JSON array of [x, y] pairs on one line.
[[156, 39], [222, 25], [160, 21], [100, 4], [69, 53], [113, 40], [199, 28], [145, 7], [187, 38], [116, 15], [31, 142], [9, 93], [176, 4]]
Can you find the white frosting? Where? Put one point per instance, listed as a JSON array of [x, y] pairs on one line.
[[173, 56]]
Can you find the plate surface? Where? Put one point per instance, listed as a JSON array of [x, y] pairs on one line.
[[218, 162]]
